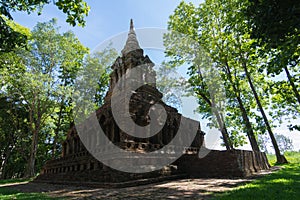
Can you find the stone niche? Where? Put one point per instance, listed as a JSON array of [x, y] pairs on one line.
[[77, 166]]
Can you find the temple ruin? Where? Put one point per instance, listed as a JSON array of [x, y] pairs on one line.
[[78, 166]]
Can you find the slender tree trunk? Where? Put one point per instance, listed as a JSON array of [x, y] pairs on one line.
[[30, 172], [280, 158], [4, 163], [222, 126], [54, 144], [58, 125], [224, 131], [249, 129], [220, 122], [290, 78], [35, 128]]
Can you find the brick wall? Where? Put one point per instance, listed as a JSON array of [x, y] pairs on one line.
[[236, 163]]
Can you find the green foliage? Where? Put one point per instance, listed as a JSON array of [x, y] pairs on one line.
[[284, 142], [39, 80], [92, 84], [217, 50], [75, 10], [216, 36], [12, 35], [172, 85], [37, 87], [13, 133], [274, 21], [279, 41], [96, 70], [10, 38], [293, 156]]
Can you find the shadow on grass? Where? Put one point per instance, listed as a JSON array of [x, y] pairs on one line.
[[179, 189], [8, 190], [6, 194], [17, 180], [146, 192]]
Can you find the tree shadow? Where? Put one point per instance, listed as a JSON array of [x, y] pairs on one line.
[[268, 186], [180, 189]]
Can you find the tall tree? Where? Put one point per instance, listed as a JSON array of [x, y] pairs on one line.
[[207, 30], [223, 33], [13, 131], [70, 61], [186, 51], [44, 83], [246, 55], [92, 83], [13, 117], [275, 23]]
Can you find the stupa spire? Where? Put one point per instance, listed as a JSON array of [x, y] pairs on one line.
[[132, 42], [131, 25]]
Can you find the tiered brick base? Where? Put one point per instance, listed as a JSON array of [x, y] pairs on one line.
[[83, 169]]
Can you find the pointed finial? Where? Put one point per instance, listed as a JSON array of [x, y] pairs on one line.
[[131, 24], [132, 42]]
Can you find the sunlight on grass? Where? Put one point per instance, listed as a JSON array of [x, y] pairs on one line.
[[250, 185], [281, 180], [271, 159], [281, 185]]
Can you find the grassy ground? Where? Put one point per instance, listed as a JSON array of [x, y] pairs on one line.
[[17, 180], [6, 194], [283, 184]]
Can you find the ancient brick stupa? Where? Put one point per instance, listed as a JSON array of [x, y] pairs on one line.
[[77, 165]]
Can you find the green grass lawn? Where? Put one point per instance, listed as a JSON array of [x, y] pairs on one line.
[[283, 184]]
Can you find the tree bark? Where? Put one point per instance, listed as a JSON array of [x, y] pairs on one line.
[[58, 125], [35, 128], [249, 130], [280, 158], [4, 163], [224, 131], [290, 78], [220, 121], [30, 172]]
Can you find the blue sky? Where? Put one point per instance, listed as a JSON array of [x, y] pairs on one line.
[[109, 18]]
